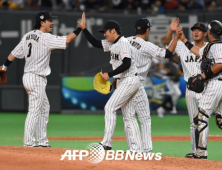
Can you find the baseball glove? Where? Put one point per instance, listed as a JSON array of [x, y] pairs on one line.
[[3, 76], [103, 87], [196, 83]]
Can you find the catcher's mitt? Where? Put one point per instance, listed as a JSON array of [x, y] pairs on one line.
[[104, 87], [3, 76], [196, 83]]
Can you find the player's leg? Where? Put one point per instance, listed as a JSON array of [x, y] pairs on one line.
[[131, 127], [175, 93], [143, 111], [35, 88], [192, 107], [41, 129], [218, 116], [209, 102], [126, 88]]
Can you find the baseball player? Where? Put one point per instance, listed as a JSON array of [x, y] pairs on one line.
[[212, 95], [190, 67], [124, 70], [144, 52], [36, 47], [172, 70]]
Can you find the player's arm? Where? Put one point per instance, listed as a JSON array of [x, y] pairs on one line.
[[71, 36], [123, 67], [8, 61], [168, 37], [189, 45], [216, 68], [173, 45], [96, 43]]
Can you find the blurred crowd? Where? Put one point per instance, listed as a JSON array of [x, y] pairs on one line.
[[139, 6]]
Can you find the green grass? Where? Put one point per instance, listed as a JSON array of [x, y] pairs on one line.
[[12, 128]]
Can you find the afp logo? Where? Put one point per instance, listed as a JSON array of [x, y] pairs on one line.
[[95, 153]]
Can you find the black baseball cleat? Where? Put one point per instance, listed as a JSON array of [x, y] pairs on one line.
[[189, 155], [106, 147], [194, 156], [43, 146]]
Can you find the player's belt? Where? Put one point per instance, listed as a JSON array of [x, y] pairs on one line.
[[220, 79]]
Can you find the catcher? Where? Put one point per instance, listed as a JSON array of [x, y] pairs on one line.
[[210, 82]]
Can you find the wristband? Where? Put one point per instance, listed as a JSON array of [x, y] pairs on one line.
[[189, 45], [77, 31]]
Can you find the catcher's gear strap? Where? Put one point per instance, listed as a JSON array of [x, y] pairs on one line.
[[208, 73], [218, 119], [198, 120], [207, 48], [103, 87], [123, 67], [96, 43]]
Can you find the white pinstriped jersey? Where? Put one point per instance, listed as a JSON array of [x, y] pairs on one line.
[[143, 52], [190, 62], [214, 53], [36, 48], [118, 51]]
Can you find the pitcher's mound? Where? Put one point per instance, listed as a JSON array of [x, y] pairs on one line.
[[25, 158]]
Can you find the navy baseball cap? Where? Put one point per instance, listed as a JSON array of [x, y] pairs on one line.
[[215, 28], [200, 26], [43, 15], [111, 24], [141, 25]]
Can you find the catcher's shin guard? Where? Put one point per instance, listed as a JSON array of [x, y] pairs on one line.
[[218, 119], [201, 122]]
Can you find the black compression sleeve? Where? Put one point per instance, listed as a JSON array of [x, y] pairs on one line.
[[123, 67], [96, 43], [7, 62], [168, 53]]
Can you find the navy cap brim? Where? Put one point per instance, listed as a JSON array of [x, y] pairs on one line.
[[192, 28], [101, 31]]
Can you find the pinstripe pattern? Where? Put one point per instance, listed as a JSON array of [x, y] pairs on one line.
[[127, 85], [211, 99], [192, 99], [126, 88], [188, 60], [36, 48], [38, 111], [143, 52], [119, 51], [191, 66], [38, 62]]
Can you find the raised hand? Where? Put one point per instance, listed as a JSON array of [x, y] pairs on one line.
[[174, 24], [82, 24]]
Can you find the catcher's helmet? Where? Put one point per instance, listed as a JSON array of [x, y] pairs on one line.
[[215, 28]]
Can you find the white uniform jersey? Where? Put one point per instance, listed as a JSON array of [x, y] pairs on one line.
[[118, 51], [36, 48], [143, 52], [215, 54], [190, 62]]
